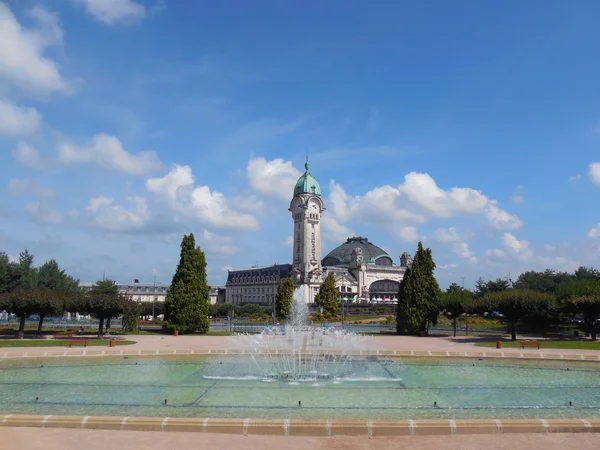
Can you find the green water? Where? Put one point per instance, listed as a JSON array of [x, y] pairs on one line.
[[377, 389]]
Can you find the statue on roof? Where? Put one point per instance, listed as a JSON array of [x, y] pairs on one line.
[[406, 260]]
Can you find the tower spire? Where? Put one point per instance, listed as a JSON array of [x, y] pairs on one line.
[[306, 164]]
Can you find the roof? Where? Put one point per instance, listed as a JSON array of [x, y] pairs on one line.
[[307, 184], [277, 270], [372, 254]]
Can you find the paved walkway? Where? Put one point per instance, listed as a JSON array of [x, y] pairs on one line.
[[404, 343], [61, 439]]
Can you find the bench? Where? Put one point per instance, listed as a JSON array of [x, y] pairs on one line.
[[554, 336], [78, 341], [62, 335], [530, 344]]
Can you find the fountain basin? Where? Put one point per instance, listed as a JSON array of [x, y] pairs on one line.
[[375, 389]]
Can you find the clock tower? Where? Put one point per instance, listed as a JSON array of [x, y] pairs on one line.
[[306, 208]]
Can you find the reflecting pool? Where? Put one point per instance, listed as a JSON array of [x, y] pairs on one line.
[[376, 388]]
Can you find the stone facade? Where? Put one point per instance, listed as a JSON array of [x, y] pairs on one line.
[[256, 284]]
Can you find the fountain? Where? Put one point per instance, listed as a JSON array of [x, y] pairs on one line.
[[298, 351]]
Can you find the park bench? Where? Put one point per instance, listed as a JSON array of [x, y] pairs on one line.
[[62, 335], [554, 336], [84, 342], [530, 344]]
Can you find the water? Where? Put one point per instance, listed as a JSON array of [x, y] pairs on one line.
[[375, 389], [298, 351]]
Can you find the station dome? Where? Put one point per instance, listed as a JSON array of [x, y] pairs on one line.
[[342, 255]]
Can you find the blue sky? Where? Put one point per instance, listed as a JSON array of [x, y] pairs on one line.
[[472, 126]]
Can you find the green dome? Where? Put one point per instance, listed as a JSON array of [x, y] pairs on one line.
[[307, 184]]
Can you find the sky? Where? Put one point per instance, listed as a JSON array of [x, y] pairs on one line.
[[471, 126]]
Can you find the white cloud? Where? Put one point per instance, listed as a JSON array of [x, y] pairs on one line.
[[18, 120], [333, 230], [275, 178], [111, 12], [22, 61], [518, 248], [447, 235], [594, 232], [594, 173], [106, 215], [108, 152], [212, 208], [447, 266], [495, 252], [417, 200], [500, 219], [18, 186], [218, 245], [42, 211], [289, 242], [575, 178], [462, 250], [27, 156], [409, 234], [518, 196]]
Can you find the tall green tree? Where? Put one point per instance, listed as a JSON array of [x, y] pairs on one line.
[[419, 295], [519, 306], [186, 304], [283, 301], [327, 298], [23, 302], [107, 292], [456, 302], [26, 272]]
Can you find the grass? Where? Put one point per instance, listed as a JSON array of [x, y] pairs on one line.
[[55, 343], [579, 345]]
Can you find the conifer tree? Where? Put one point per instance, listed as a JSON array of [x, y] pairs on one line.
[[327, 298], [186, 304], [419, 295], [283, 301]]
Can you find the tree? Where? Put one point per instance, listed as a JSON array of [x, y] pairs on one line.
[[25, 271], [327, 297], [8, 274], [582, 297], [455, 302], [587, 274], [518, 305], [419, 295], [131, 315], [283, 301], [186, 304], [105, 289], [546, 281], [484, 287], [23, 302], [59, 285]]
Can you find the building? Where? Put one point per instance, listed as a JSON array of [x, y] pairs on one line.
[[363, 272], [142, 292], [255, 285], [217, 295]]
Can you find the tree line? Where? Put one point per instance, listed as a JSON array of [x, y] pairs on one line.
[[536, 300], [47, 291]]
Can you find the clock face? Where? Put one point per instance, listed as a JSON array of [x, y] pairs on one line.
[[298, 205], [313, 207]]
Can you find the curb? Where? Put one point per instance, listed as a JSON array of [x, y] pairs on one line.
[[323, 428]]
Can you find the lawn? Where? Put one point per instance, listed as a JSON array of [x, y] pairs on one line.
[[579, 345], [55, 343]]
